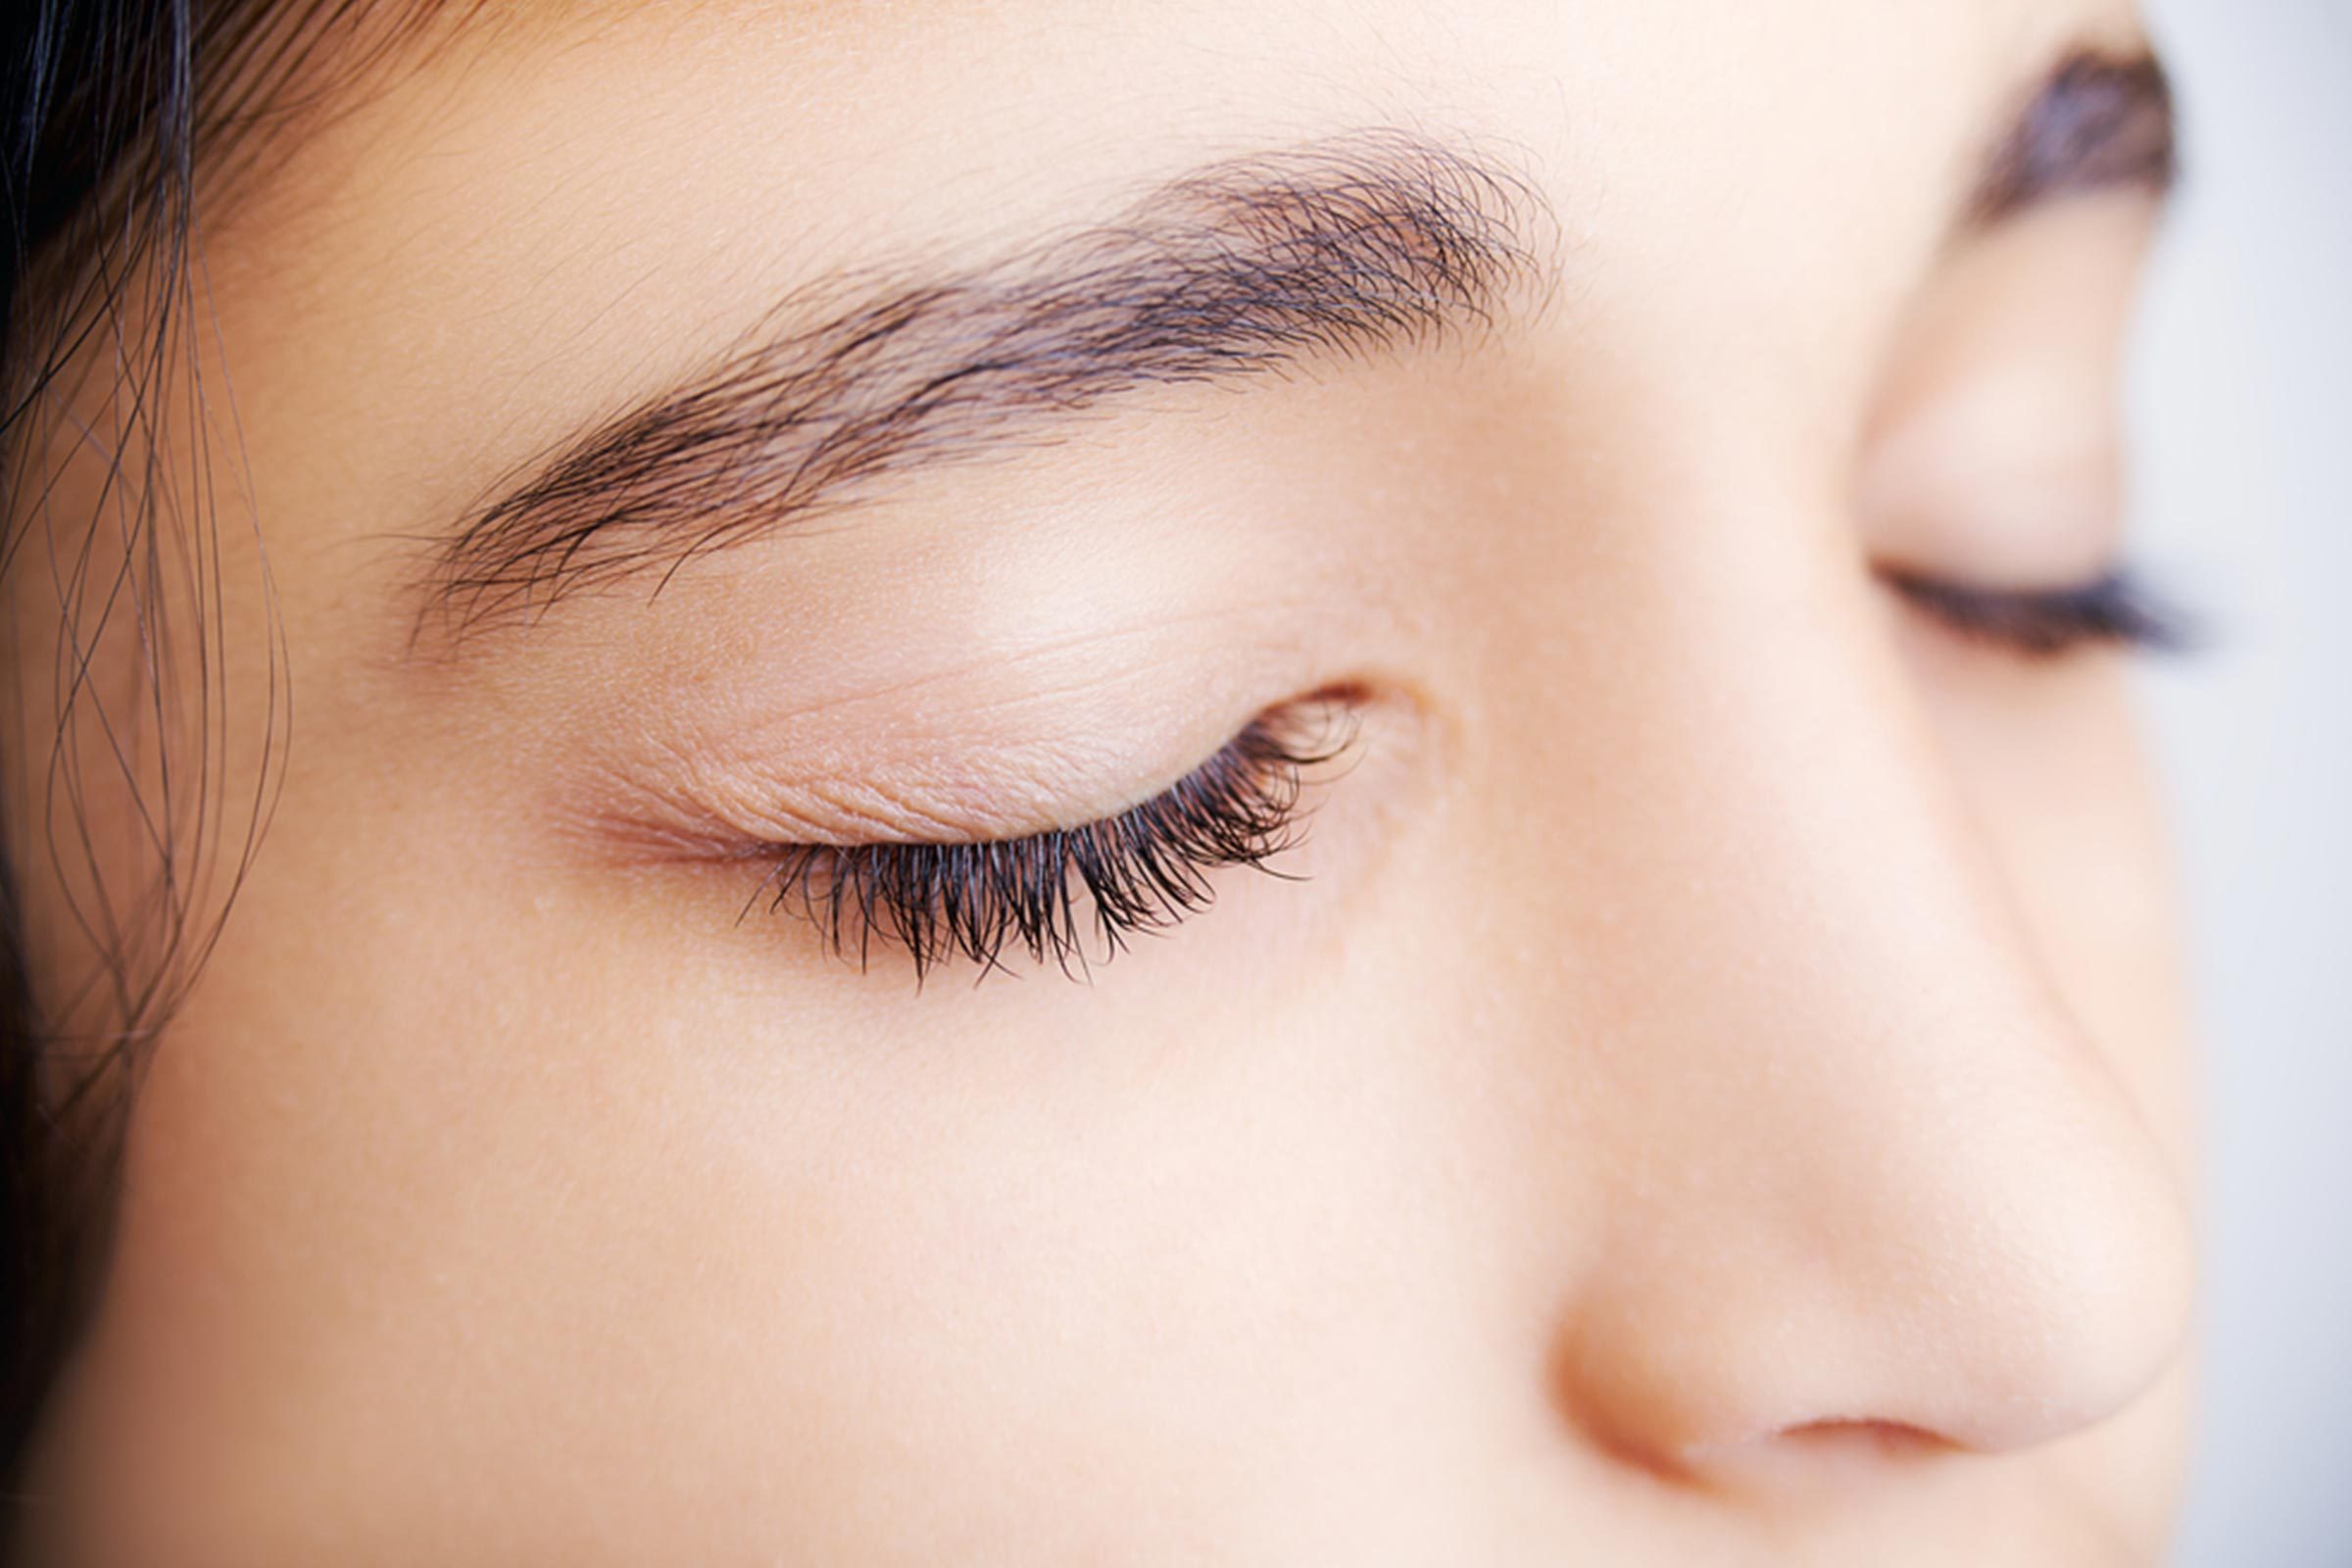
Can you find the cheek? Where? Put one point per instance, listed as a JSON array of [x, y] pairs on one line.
[[503, 1202]]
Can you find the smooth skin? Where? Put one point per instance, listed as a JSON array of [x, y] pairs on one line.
[[1717, 1094]]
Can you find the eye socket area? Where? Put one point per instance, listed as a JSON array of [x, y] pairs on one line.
[[1990, 489], [932, 853]]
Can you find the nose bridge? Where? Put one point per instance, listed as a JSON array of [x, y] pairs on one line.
[[1860, 1164]]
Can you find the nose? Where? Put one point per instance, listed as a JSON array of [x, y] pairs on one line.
[[1862, 1172], [1951, 1266]]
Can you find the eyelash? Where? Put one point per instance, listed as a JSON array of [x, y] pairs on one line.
[[2118, 609], [1141, 871]]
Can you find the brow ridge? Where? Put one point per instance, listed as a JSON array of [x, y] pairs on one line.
[[2100, 121], [1342, 249]]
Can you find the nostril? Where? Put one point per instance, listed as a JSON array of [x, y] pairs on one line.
[[1833, 1438], [1884, 1441], [1861, 1441], [1818, 1457]]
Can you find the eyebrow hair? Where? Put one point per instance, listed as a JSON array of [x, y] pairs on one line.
[[1350, 247], [2099, 122], [1343, 248]]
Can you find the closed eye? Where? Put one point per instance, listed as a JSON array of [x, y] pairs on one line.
[[1067, 893], [2117, 610]]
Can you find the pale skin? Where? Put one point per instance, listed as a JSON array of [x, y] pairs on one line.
[[1714, 1091]]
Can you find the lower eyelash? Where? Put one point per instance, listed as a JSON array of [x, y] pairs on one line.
[[2117, 609], [1145, 869]]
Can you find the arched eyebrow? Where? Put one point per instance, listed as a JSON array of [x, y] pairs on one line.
[[2098, 121], [1348, 248], [1345, 248]]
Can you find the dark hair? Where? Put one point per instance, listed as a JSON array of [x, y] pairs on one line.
[[97, 109], [108, 112], [109, 109]]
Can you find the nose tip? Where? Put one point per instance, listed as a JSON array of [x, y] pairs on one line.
[[1985, 1304], [2057, 1314]]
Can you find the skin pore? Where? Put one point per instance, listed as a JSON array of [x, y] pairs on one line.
[[1707, 1085]]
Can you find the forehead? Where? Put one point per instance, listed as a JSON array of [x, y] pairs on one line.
[[801, 120], [767, 135], [1130, 65]]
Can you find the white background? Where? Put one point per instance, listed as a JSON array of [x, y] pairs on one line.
[[2243, 395]]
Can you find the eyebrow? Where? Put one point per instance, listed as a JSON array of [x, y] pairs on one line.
[[2099, 122], [1346, 248], [1343, 248]]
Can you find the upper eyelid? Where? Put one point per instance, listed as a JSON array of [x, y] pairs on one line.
[[717, 779], [1307, 731], [733, 810], [1086, 722], [1142, 869]]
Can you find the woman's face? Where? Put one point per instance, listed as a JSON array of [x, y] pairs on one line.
[[1705, 1087]]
